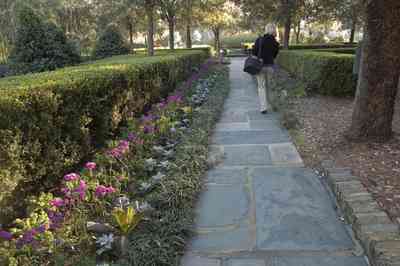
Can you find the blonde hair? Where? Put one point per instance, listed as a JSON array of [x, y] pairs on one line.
[[270, 29]]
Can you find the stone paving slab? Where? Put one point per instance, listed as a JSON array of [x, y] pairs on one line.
[[284, 153], [216, 208], [316, 261], [248, 137], [293, 212], [246, 155], [246, 262], [232, 127], [200, 261], [224, 240], [228, 176]]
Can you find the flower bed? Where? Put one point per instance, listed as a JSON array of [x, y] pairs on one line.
[[50, 122], [133, 203]]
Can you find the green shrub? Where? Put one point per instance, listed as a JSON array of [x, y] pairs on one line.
[[236, 41], [50, 121], [40, 46], [339, 50], [321, 46], [110, 43], [324, 72]]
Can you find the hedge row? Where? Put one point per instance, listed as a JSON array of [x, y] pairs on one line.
[[49, 122], [325, 73]]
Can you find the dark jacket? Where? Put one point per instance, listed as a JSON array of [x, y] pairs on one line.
[[270, 48]]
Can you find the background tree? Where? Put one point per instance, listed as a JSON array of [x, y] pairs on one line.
[[379, 75], [40, 46], [218, 15], [110, 43], [169, 10]]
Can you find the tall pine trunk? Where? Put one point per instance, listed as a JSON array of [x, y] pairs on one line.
[[189, 24], [171, 28], [353, 30], [150, 27], [217, 42], [379, 75]]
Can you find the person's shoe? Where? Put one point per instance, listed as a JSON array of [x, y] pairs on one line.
[[264, 112]]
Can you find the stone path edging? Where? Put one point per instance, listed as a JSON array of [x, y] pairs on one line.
[[379, 236]]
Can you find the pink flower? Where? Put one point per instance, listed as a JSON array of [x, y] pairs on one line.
[[71, 177], [90, 165], [102, 191], [81, 189], [57, 202]]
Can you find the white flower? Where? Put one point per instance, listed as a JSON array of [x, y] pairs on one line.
[[105, 243], [158, 149], [164, 164], [149, 164], [145, 186], [144, 206], [158, 176]]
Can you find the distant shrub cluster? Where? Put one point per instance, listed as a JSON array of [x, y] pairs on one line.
[[40, 46], [110, 43]]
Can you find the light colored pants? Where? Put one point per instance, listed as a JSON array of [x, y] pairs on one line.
[[264, 81]]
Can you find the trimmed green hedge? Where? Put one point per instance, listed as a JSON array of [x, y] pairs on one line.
[[324, 72], [351, 50], [321, 46], [236, 41], [51, 121]]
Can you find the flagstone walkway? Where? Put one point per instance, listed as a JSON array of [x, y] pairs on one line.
[[261, 206]]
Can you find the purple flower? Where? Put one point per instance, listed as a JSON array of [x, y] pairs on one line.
[[175, 98], [41, 229], [148, 118], [56, 218], [102, 191], [90, 165], [148, 129], [71, 177], [66, 191], [57, 202], [132, 137], [6, 235], [162, 105]]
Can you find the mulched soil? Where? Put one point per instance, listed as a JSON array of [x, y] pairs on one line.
[[324, 121]]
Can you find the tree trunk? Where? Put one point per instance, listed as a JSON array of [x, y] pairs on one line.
[[353, 31], [298, 29], [171, 28], [379, 75], [189, 24], [130, 34], [286, 36], [217, 44], [150, 28]]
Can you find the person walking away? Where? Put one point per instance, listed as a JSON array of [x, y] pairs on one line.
[[269, 50]]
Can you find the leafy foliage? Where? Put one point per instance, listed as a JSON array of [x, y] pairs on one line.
[[325, 72], [110, 43], [40, 46]]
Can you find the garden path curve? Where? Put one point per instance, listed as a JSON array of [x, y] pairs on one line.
[[261, 206]]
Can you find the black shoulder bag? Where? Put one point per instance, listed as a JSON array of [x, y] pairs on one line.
[[253, 64]]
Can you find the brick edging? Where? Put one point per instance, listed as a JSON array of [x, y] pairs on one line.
[[379, 236]]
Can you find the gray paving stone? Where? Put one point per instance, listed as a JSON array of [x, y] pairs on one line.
[[245, 262], [233, 117], [256, 115], [316, 261], [248, 137], [227, 176], [284, 153], [246, 155], [199, 261], [293, 212], [224, 240], [232, 127], [266, 125], [216, 208]]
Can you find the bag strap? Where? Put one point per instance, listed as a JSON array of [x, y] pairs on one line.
[[260, 47]]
